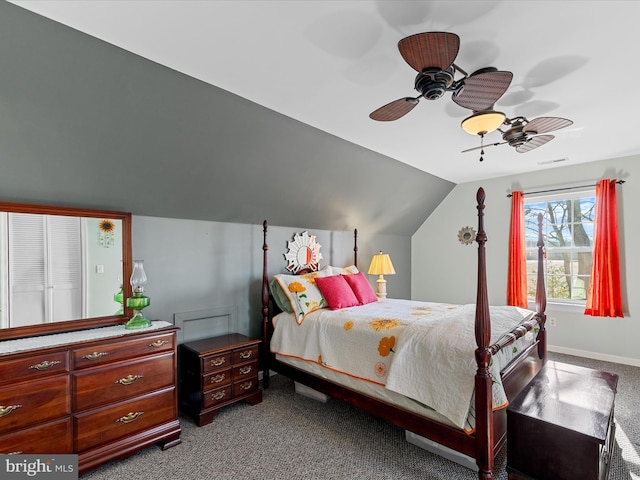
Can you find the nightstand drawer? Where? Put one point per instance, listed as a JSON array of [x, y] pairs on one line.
[[111, 384], [217, 361], [245, 354], [216, 379], [245, 386], [244, 371], [214, 397]]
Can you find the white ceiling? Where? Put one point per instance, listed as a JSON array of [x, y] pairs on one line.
[[330, 63]]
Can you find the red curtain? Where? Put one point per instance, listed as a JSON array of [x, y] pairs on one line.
[[604, 298], [517, 275]]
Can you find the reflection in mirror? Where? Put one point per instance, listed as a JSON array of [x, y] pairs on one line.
[[61, 267]]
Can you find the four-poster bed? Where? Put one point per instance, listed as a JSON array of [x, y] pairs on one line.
[[488, 434]]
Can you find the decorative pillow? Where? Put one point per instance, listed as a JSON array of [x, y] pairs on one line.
[[342, 270], [337, 292], [281, 299], [361, 288], [302, 293]]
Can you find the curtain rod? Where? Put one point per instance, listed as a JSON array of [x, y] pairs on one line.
[[509, 195]]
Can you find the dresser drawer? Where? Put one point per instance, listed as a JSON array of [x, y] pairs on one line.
[[41, 365], [245, 354], [107, 424], [26, 403], [214, 397], [245, 386], [216, 361], [216, 379], [111, 384], [122, 350], [53, 437]]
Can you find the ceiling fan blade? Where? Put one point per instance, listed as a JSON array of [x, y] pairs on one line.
[[546, 124], [480, 91], [483, 146], [534, 142], [430, 49], [394, 110]]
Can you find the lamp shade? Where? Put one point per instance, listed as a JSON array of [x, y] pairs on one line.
[[482, 122], [381, 265]]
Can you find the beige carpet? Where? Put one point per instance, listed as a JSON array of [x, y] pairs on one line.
[[289, 436]]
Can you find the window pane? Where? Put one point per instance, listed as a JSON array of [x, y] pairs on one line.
[[568, 236]]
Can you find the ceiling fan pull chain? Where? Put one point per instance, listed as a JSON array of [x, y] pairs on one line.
[[482, 145]]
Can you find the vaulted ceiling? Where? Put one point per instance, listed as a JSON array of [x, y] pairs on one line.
[[329, 64]]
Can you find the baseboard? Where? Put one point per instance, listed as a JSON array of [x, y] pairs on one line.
[[594, 355]]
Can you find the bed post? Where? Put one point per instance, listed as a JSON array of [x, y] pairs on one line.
[[483, 400], [265, 309], [355, 247], [541, 295]]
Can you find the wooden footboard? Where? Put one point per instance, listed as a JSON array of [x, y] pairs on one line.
[[491, 425]]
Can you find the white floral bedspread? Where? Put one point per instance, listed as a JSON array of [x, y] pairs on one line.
[[394, 343]]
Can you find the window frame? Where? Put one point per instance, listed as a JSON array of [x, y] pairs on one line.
[[531, 247]]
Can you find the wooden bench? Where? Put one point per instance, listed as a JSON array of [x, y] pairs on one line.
[[561, 425]]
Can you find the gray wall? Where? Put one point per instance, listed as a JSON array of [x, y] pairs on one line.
[[197, 265], [86, 124], [445, 270]]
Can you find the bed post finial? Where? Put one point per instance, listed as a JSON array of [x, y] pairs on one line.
[[355, 247], [265, 308]]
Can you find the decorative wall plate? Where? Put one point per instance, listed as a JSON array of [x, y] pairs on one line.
[[466, 235], [303, 253]]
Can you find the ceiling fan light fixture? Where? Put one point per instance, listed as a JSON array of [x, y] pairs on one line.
[[483, 122]]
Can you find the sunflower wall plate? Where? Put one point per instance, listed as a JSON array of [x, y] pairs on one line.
[[466, 235], [303, 253]]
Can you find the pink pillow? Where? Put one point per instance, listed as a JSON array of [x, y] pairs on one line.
[[361, 287], [337, 292]]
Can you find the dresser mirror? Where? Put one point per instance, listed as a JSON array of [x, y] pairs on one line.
[[62, 268]]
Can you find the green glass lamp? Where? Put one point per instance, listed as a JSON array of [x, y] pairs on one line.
[[118, 297], [138, 301]]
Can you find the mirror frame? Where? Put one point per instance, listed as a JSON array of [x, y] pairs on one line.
[[82, 323]]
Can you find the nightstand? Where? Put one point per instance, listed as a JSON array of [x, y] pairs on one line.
[[216, 372]]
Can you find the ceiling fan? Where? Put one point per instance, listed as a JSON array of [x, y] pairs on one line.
[[525, 135], [432, 55]]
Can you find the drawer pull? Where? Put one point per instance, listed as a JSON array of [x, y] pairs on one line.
[[130, 417], [245, 354], [44, 365], [246, 369], [95, 355], [216, 362], [246, 385], [218, 395], [158, 343], [129, 379], [4, 411], [218, 378]]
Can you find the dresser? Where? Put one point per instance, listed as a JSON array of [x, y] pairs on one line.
[[103, 393], [561, 425], [216, 372]]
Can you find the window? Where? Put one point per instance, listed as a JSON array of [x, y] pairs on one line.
[[567, 228]]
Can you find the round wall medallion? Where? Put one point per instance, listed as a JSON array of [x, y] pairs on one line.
[[466, 235]]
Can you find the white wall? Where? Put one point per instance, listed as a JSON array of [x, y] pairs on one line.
[[445, 270]]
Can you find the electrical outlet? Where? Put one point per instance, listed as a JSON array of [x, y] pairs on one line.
[[552, 321]]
